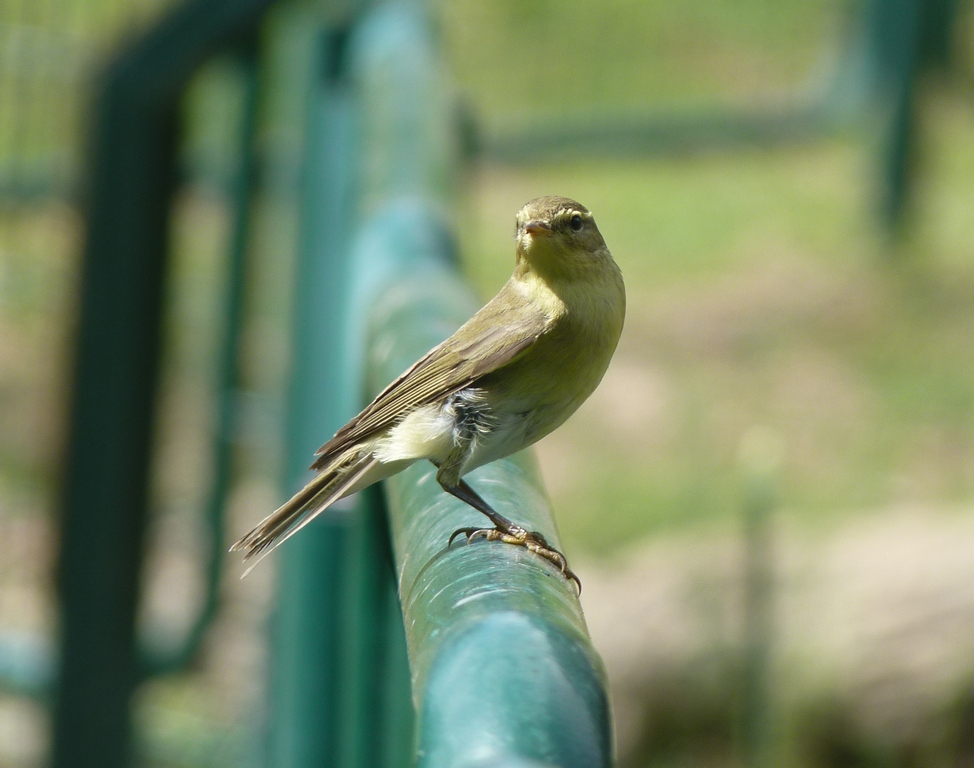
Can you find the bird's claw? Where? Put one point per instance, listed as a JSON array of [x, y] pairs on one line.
[[468, 532], [530, 540]]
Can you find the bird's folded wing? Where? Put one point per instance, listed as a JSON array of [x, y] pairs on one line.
[[490, 340]]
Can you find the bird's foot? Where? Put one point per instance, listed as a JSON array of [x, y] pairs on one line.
[[530, 540]]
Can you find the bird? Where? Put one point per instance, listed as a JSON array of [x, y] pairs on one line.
[[506, 378]]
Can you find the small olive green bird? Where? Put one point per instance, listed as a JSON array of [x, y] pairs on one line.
[[510, 375]]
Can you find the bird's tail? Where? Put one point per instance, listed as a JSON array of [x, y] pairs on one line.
[[324, 489]]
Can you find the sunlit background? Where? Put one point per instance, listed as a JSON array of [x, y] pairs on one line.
[[769, 499]]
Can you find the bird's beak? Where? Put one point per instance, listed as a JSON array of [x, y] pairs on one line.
[[538, 228]]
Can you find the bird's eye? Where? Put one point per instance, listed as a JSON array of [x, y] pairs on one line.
[[575, 222]]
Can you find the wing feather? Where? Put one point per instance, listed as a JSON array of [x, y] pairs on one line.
[[491, 339]]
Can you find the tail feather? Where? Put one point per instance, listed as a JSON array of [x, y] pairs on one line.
[[322, 491]]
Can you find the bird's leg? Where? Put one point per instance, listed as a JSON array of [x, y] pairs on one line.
[[465, 493], [471, 422], [505, 530]]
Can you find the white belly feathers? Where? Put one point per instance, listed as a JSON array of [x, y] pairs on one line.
[[437, 430], [425, 433]]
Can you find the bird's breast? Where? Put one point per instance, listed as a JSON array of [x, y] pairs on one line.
[[536, 393]]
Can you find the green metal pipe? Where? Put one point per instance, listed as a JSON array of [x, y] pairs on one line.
[[304, 726], [502, 667], [104, 501], [154, 660], [659, 133], [409, 140]]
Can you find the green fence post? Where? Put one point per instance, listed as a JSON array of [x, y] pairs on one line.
[[105, 485], [105, 489], [156, 660], [909, 38]]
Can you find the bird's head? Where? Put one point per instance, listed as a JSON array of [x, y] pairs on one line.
[[557, 238]]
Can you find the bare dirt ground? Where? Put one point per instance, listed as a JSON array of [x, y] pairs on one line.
[[875, 618]]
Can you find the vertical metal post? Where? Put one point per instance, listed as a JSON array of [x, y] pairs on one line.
[[325, 387], [155, 661], [106, 477], [896, 30], [369, 626], [905, 39]]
